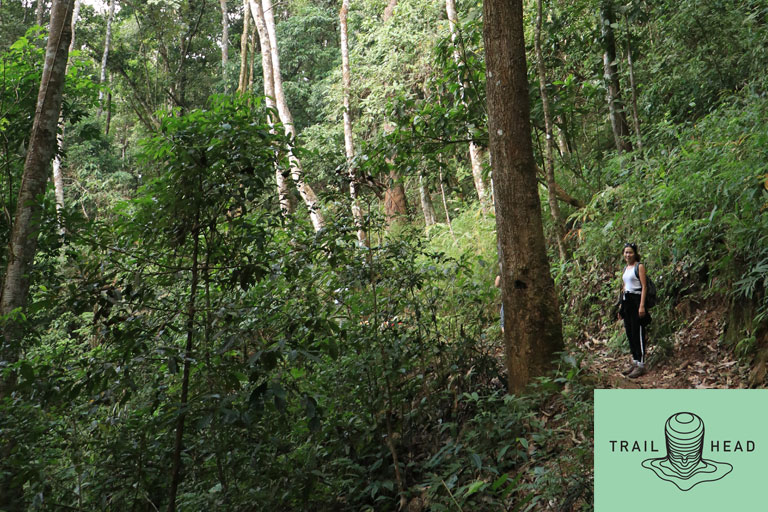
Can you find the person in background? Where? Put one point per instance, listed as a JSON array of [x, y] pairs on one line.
[[632, 309]]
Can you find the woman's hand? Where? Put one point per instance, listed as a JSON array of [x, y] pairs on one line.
[[641, 312]]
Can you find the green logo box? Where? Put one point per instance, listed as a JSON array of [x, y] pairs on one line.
[[681, 449]]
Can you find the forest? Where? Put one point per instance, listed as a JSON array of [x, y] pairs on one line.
[[254, 255]]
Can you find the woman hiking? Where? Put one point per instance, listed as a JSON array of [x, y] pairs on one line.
[[632, 310]]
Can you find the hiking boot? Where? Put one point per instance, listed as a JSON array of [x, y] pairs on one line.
[[629, 369], [637, 372]]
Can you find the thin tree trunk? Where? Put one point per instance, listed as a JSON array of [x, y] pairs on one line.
[[305, 190], [283, 192], [533, 329], [476, 162], [242, 83], [191, 312], [39, 12], [251, 63], [58, 178], [105, 55], [549, 160], [562, 140], [75, 15], [349, 145], [562, 195], [445, 208], [26, 223], [58, 186], [109, 113], [633, 87], [611, 77], [426, 202], [224, 42], [475, 153]]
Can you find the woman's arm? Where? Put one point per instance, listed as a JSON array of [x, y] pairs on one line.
[[641, 275]]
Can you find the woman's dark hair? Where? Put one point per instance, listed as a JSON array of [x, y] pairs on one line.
[[634, 249]]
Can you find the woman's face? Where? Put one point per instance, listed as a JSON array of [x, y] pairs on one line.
[[629, 255]]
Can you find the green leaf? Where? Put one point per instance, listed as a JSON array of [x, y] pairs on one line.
[[499, 482], [474, 487]]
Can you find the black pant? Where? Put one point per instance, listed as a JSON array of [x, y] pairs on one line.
[[635, 326]]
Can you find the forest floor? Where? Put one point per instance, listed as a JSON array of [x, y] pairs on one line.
[[695, 360]]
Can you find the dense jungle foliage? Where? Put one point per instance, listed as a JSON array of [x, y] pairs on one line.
[[312, 371]]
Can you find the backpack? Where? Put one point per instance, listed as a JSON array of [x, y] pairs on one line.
[[650, 294]]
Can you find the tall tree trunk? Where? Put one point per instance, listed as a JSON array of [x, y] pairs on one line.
[[224, 42], [39, 12], [395, 202], [611, 78], [445, 207], [105, 54], [475, 152], [58, 177], [633, 87], [349, 145], [242, 83], [305, 190], [532, 325], [562, 140], [426, 202], [176, 476], [283, 191], [26, 223], [252, 59], [549, 160]]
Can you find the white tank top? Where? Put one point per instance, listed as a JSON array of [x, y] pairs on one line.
[[631, 283]]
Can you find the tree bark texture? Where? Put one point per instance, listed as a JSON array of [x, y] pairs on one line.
[[26, 223], [475, 152], [39, 12], [427, 207], [297, 173], [611, 77], [224, 42], [251, 60], [633, 87], [445, 207], [283, 191], [549, 159], [532, 325], [242, 83], [349, 145], [395, 202], [105, 54], [58, 177]]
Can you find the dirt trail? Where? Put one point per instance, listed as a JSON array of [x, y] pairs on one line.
[[697, 360]]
